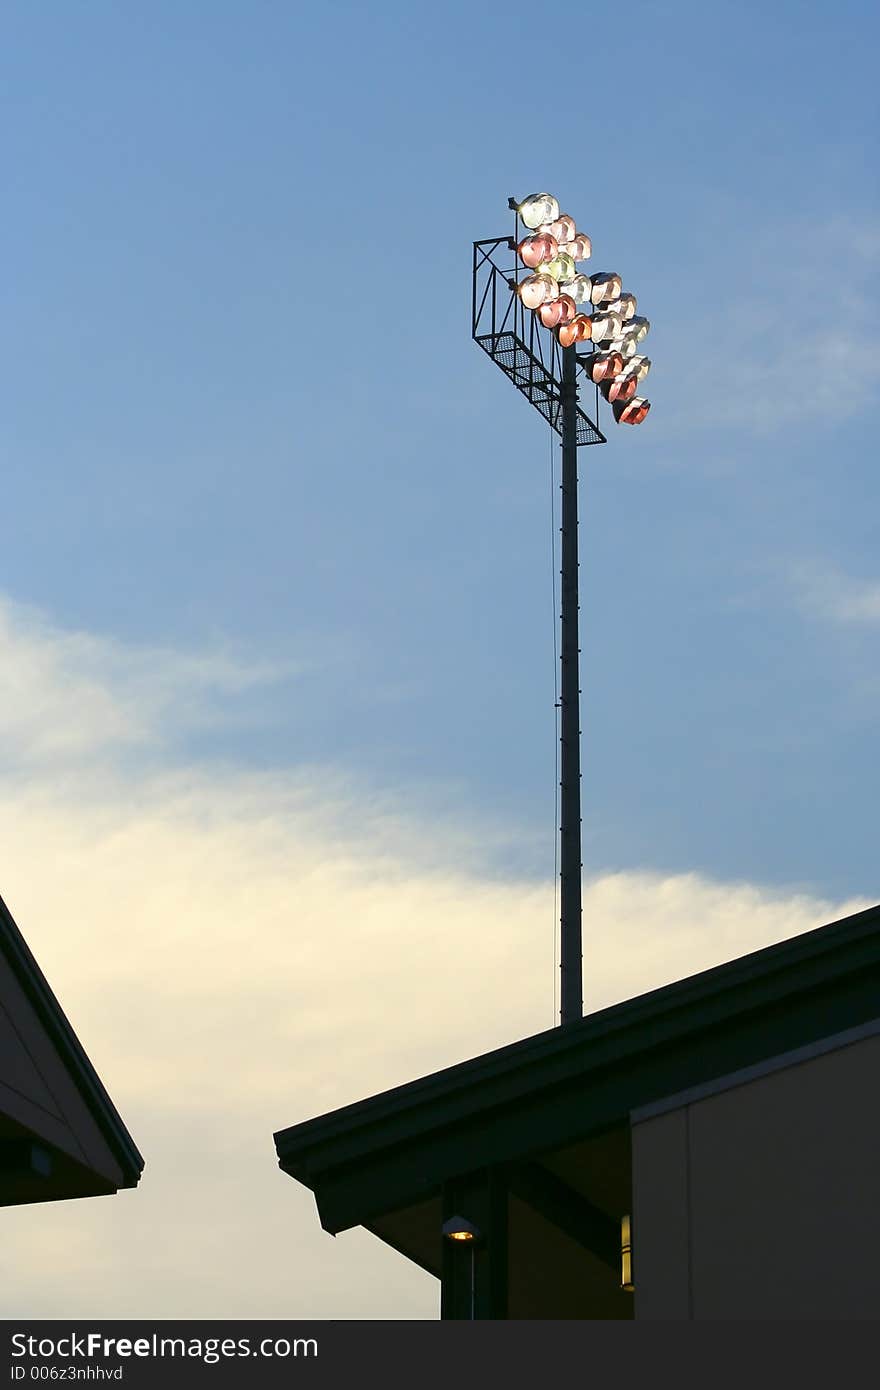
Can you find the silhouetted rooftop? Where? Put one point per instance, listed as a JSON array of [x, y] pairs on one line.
[[536, 1106], [60, 1134]]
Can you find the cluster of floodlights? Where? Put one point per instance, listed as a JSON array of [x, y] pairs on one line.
[[555, 291]]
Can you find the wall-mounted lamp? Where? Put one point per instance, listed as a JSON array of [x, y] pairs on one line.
[[626, 1272], [459, 1228], [466, 1235]]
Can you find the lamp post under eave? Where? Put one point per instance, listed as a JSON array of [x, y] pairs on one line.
[[530, 328]]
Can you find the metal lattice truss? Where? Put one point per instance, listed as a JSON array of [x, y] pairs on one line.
[[528, 354]]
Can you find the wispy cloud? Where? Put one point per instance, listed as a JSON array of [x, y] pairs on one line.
[[788, 343], [66, 696], [241, 952], [827, 593]]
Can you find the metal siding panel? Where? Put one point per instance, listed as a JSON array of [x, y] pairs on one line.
[[786, 1220], [660, 1218], [91, 1147], [18, 1071]]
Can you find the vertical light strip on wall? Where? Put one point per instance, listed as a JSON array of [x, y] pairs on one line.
[[626, 1271]]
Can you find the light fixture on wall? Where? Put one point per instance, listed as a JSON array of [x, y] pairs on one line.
[[626, 1270], [459, 1228], [465, 1234]]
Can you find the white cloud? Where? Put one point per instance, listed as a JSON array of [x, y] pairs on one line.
[[66, 695], [238, 953], [827, 593], [786, 341]]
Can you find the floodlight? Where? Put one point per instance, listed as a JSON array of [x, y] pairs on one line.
[[577, 330], [631, 412], [599, 366], [561, 267], [636, 328], [562, 228], [619, 388], [557, 311], [605, 327], [536, 290], [532, 250], [580, 248], [626, 346], [638, 367], [606, 285], [624, 305], [537, 209], [580, 288]]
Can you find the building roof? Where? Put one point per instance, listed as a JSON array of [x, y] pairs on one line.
[[60, 1134], [382, 1162]]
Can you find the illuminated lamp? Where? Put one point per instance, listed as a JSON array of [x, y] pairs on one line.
[[626, 1255], [567, 334], [631, 412], [550, 314], [577, 330], [532, 250], [638, 367], [557, 311], [536, 290], [605, 328], [606, 285], [636, 328], [562, 228], [619, 388], [625, 346], [537, 209], [561, 267], [459, 1228], [579, 288], [580, 248], [624, 306], [599, 366]]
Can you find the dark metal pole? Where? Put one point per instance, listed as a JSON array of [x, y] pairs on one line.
[[473, 1280], [572, 1005]]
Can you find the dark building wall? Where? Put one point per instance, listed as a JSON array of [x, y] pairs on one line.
[[39, 1099], [756, 1198]]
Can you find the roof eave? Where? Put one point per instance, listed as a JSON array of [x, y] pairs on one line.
[[41, 997], [325, 1153]]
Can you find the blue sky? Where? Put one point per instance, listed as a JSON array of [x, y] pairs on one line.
[[242, 403], [244, 426]]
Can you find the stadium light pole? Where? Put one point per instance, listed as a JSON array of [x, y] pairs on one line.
[[531, 326], [571, 988]]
